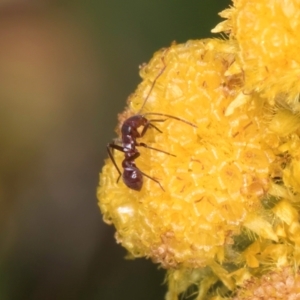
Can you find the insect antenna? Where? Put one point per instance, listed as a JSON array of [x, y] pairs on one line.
[[153, 84], [170, 116]]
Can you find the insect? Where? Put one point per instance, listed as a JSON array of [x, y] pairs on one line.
[[132, 176]]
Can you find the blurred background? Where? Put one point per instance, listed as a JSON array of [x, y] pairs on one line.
[[66, 70]]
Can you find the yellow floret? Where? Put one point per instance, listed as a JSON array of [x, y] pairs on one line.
[[268, 46]]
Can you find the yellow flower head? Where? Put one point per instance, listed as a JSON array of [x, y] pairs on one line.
[[210, 180], [268, 40], [211, 186]]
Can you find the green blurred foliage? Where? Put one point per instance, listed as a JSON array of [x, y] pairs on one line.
[[67, 68]]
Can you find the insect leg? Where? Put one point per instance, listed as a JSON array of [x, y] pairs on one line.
[[152, 148], [117, 147], [155, 180]]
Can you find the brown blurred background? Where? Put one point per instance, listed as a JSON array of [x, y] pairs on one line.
[[66, 69]]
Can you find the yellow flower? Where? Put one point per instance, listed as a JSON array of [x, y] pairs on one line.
[[218, 200], [267, 33], [217, 208]]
